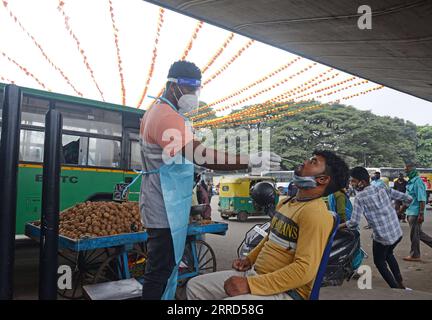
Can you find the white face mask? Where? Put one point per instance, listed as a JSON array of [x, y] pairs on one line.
[[187, 102]]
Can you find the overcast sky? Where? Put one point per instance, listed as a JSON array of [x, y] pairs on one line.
[[136, 21]]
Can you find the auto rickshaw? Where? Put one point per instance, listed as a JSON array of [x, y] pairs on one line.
[[235, 199]]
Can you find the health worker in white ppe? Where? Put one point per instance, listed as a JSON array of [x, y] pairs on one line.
[[168, 152]]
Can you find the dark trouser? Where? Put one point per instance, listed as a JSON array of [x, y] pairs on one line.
[[383, 255], [416, 235], [160, 263]]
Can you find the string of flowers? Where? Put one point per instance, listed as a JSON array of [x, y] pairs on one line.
[[218, 53], [293, 93], [119, 60], [186, 52], [320, 90], [192, 39], [267, 89], [153, 61], [247, 87], [26, 71], [271, 102], [37, 44], [226, 65], [302, 109], [278, 108], [4, 79], [66, 18], [262, 109]]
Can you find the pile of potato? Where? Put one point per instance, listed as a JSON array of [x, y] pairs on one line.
[[99, 219]]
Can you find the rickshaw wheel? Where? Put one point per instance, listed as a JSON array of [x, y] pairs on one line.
[[205, 256], [242, 216], [112, 269], [84, 265]]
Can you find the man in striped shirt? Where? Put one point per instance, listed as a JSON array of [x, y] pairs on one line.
[[375, 203]]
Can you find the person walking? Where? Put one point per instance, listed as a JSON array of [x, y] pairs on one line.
[[415, 212], [375, 203]]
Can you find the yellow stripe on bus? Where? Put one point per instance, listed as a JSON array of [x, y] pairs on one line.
[[24, 165]]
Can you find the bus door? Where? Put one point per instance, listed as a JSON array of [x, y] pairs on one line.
[[133, 161]]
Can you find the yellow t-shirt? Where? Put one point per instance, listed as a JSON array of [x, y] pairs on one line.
[[289, 257]]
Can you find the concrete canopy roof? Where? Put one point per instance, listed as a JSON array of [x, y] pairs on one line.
[[396, 52]]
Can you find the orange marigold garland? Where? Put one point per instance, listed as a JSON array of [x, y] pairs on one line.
[[186, 51], [267, 89], [66, 18], [119, 60], [301, 109], [153, 61], [263, 109], [218, 53], [290, 93], [26, 71], [247, 87], [6, 80], [269, 103], [192, 39], [226, 65], [36, 43]]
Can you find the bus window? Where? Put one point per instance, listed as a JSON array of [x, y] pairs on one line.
[[104, 153], [135, 156], [74, 150], [31, 146], [92, 120], [33, 111]]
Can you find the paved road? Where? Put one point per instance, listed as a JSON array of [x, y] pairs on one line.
[[416, 275]]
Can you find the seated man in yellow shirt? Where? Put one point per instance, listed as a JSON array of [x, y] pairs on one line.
[[285, 263]]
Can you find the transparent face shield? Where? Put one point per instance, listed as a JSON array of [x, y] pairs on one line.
[[190, 90]]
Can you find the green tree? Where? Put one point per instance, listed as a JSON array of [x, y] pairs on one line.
[[424, 146]]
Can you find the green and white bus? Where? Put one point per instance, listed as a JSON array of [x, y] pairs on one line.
[[100, 149]]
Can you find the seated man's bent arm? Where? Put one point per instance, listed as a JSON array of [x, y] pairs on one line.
[[252, 256], [213, 159]]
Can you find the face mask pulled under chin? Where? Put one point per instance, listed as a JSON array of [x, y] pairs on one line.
[[307, 182]]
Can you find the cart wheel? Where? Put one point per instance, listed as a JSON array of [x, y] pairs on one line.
[[242, 216], [84, 265], [205, 256], [113, 268]]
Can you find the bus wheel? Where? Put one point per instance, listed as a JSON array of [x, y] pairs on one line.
[[242, 216], [224, 217]]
